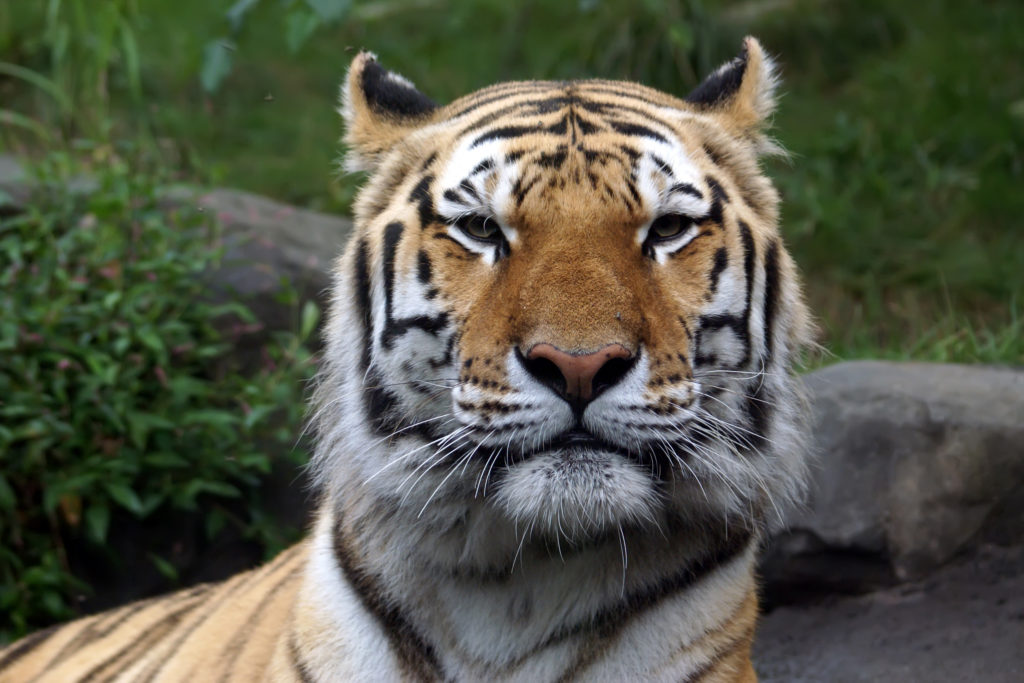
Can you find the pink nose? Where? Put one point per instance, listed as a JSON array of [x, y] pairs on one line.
[[579, 370]]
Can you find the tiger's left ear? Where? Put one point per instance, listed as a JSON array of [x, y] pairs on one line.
[[379, 108], [741, 91]]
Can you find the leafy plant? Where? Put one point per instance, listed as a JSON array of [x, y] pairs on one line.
[[302, 20], [118, 392], [81, 49]]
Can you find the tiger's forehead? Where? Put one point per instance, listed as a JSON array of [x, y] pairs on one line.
[[519, 145]]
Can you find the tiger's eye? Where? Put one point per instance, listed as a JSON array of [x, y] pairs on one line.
[[668, 226], [480, 227]]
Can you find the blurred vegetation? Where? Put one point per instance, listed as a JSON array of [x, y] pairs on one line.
[[119, 390], [902, 201], [905, 121]]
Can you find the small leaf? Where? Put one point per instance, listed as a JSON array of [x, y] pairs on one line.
[[298, 27], [130, 54], [163, 566], [215, 520], [257, 413], [111, 299], [209, 417], [125, 497], [330, 10], [150, 339], [310, 317], [217, 59], [238, 11], [97, 521], [7, 498]]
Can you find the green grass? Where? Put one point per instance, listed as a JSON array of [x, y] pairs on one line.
[[905, 122]]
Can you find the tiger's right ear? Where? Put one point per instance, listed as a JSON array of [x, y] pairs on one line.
[[379, 108]]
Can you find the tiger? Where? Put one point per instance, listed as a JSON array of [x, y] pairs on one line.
[[556, 412]]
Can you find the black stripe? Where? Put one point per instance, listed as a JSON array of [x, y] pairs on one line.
[[485, 165], [502, 91], [240, 638], [759, 399], [420, 196], [395, 327], [602, 87], [101, 629], [739, 324], [749, 260], [414, 653], [604, 108], [468, 188], [423, 269], [295, 659], [507, 132], [686, 188], [24, 646], [637, 130], [771, 297], [553, 160], [143, 640], [521, 189], [363, 310], [718, 193], [721, 261], [664, 168], [452, 195], [725, 546]]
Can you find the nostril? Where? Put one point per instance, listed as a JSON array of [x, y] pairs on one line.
[[544, 371], [610, 374]]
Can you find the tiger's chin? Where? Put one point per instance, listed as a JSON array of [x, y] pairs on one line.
[[574, 494]]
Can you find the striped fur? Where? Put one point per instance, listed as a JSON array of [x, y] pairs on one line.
[[486, 514]]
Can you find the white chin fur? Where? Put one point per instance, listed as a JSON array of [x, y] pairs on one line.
[[574, 494]]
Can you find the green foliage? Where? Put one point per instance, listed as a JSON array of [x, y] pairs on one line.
[[86, 49], [118, 393], [902, 202]]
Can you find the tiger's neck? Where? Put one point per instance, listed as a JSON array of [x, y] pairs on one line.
[[679, 602]]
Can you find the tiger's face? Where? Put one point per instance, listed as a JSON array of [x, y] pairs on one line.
[[566, 307]]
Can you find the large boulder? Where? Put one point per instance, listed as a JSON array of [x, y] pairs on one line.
[[266, 243], [965, 622], [915, 462]]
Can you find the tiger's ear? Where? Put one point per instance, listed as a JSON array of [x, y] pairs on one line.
[[379, 108], [741, 91]]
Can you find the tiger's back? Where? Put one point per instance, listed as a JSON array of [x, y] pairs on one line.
[[555, 413], [228, 631]]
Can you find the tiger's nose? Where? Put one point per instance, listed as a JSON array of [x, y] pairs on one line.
[[578, 377]]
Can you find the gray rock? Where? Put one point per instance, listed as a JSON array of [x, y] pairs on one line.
[[266, 242], [964, 623], [916, 462]]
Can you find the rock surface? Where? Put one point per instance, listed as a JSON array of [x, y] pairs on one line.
[[265, 241], [964, 623], [916, 463]]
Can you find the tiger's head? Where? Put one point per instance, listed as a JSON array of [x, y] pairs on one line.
[[566, 309]]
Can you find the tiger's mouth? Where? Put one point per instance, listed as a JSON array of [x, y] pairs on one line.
[[660, 458], [579, 441]]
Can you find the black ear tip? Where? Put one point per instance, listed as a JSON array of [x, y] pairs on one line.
[[390, 94], [724, 82]]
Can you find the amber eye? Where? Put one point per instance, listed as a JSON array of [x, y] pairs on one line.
[[668, 226], [480, 227]]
